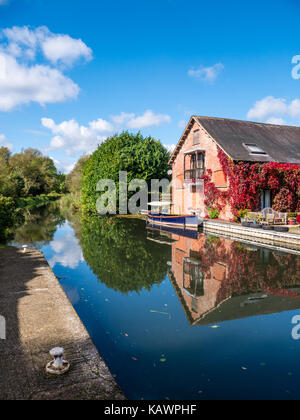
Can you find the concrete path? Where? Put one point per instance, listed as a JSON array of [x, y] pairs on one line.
[[39, 317]]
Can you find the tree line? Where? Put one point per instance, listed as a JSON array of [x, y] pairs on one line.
[[29, 178], [26, 178], [28, 174]]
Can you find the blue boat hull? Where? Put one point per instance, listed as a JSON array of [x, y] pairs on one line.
[[185, 222]]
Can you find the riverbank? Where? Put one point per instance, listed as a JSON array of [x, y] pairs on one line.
[[38, 201], [39, 317]]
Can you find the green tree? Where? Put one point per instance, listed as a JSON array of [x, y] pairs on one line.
[[142, 158], [37, 172], [74, 178]]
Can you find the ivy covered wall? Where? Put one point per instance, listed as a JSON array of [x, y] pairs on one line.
[[246, 182]]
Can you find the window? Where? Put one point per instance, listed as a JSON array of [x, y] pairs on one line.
[[254, 149], [198, 161], [266, 199], [193, 279], [196, 137]]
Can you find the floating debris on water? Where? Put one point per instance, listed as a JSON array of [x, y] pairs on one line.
[[158, 312]]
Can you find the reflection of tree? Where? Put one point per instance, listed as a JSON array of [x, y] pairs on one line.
[[118, 252], [38, 225]]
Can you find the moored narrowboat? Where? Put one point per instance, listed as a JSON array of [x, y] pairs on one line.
[[181, 221]]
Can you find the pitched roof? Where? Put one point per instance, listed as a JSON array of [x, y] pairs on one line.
[[280, 143], [238, 307]]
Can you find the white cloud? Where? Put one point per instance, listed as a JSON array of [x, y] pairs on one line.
[[2, 2], [294, 108], [74, 138], [207, 74], [23, 82], [23, 40], [64, 166], [57, 48], [4, 142], [137, 122], [101, 126], [64, 49], [148, 119], [273, 110], [268, 106], [122, 118], [276, 121]]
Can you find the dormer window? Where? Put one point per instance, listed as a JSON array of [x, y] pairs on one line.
[[254, 149]]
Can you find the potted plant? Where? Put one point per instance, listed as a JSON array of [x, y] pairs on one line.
[[243, 215], [292, 218]]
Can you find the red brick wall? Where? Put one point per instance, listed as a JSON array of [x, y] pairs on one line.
[[187, 198]]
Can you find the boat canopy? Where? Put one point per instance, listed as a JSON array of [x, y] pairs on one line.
[[160, 203]]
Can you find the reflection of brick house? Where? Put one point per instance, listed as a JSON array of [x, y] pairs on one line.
[[212, 293], [197, 152]]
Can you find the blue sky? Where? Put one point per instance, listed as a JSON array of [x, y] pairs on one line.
[[73, 72]]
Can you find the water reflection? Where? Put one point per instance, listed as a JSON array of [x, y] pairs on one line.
[[148, 338], [37, 227], [67, 251], [218, 280], [118, 252]]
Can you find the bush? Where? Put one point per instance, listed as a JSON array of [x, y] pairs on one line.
[[243, 213], [213, 213], [142, 158], [7, 209]]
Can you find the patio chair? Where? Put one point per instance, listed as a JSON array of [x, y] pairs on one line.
[[281, 219], [270, 219]]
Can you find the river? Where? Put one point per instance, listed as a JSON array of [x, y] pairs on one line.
[[176, 317]]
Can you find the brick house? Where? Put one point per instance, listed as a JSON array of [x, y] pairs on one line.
[[197, 152]]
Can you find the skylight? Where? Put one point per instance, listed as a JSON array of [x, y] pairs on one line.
[[254, 149]]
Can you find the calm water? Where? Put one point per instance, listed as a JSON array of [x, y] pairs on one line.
[[176, 317]]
